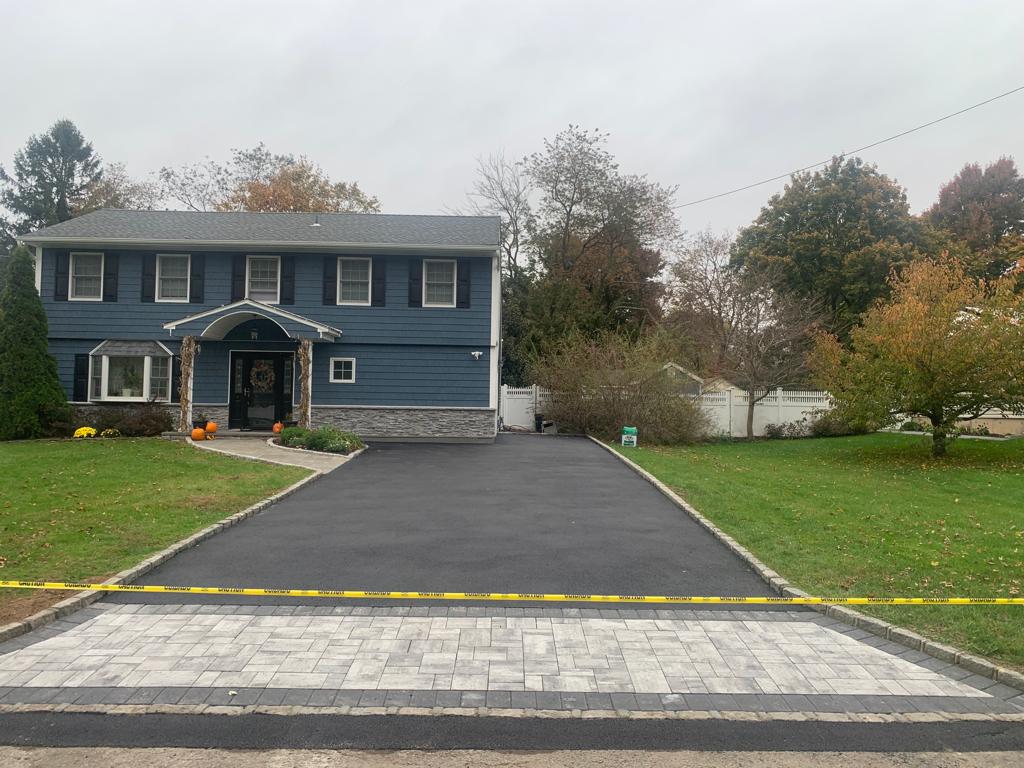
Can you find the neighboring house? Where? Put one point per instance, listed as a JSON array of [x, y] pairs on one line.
[[686, 381], [396, 319]]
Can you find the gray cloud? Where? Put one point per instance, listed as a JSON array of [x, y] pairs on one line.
[[403, 96]]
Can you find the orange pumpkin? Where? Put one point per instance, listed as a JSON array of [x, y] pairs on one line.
[[211, 427], [198, 434], [278, 426]]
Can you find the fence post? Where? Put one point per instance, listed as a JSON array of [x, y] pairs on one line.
[[778, 401], [728, 403]]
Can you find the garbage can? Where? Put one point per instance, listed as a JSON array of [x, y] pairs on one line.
[[629, 437]]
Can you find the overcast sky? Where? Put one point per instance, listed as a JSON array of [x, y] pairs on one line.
[[404, 96]]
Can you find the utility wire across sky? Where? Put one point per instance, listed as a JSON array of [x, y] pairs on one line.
[[852, 151]]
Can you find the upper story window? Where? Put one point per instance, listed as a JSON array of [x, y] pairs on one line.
[[354, 278], [172, 277], [263, 279], [438, 283], [86, 275]]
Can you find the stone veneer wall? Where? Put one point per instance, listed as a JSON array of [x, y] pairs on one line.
[[217, 413], [442, 423]]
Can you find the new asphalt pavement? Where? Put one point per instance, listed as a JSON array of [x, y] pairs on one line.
[[526, 514]]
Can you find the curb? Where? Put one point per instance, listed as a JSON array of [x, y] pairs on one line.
[[779, 584], [82, 599]]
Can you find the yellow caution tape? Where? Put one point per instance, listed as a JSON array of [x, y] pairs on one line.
[[515, 596]]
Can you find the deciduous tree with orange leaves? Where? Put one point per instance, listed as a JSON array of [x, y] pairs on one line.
[[944, 347]]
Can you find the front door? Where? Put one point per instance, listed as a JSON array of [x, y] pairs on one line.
[[260, 389]]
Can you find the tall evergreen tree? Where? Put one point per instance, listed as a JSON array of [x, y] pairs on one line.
[[32, 401], [52, 174]]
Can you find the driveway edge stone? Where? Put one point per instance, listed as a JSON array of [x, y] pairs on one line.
[[81, 599], [778, 583], [575, 714]]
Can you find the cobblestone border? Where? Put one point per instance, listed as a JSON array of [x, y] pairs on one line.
[[779, 584], [82, 599], [509, 712], [320, 698]]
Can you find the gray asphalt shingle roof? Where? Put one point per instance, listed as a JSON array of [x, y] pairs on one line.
[[112, 225]]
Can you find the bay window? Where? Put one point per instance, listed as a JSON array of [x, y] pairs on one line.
[[127, 371]]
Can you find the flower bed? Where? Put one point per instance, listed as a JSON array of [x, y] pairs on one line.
[[324, 439]]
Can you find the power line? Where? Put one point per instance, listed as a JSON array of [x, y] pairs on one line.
[[852, 151]]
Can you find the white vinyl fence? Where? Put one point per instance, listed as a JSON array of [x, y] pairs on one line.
[[727, 410]]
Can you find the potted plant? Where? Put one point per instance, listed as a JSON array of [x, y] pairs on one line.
[[199, 421]]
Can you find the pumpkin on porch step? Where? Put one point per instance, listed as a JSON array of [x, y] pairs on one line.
[[198, 434], [211, 428], [278, 426]]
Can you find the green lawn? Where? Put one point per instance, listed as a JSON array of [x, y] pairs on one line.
[[85, 509], [874, 516]]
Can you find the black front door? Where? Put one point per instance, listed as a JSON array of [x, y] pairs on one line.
[[261, 387]]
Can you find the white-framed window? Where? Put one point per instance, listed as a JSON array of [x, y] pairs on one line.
[[263, 279], [86, 277], [354, 279], [438, 283], [343, 370], [173, 275], [130, 372]]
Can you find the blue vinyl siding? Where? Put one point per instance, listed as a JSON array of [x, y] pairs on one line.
[[404, 375], [395, 323], [405, 355]]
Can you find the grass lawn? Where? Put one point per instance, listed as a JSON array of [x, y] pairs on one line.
[[874, 515], [86, 509]]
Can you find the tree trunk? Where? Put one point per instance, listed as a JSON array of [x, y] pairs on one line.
[[940, 438], [751, 403]]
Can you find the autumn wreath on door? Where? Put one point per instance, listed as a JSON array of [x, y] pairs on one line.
[[262, 376]]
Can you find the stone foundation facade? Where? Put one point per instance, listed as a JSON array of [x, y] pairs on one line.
[[87, 413], [470, 424], [217, 413]]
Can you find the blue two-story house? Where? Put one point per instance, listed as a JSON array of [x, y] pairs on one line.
[[381, 324]]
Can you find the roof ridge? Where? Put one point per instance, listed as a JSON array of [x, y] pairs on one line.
[[298, 213]]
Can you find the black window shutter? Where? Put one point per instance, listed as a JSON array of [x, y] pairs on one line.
[[238, 277], [110, 263], [80, 393], [148, 276], [330, 280], [175, 379], [61, 276], [463, 275], [197, 278], [287, 280], [415, 282], [378, 289]]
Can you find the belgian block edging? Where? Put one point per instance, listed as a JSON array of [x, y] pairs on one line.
[[82, 599], [779, 584]]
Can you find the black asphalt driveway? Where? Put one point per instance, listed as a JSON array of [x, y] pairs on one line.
[[526, 514]]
